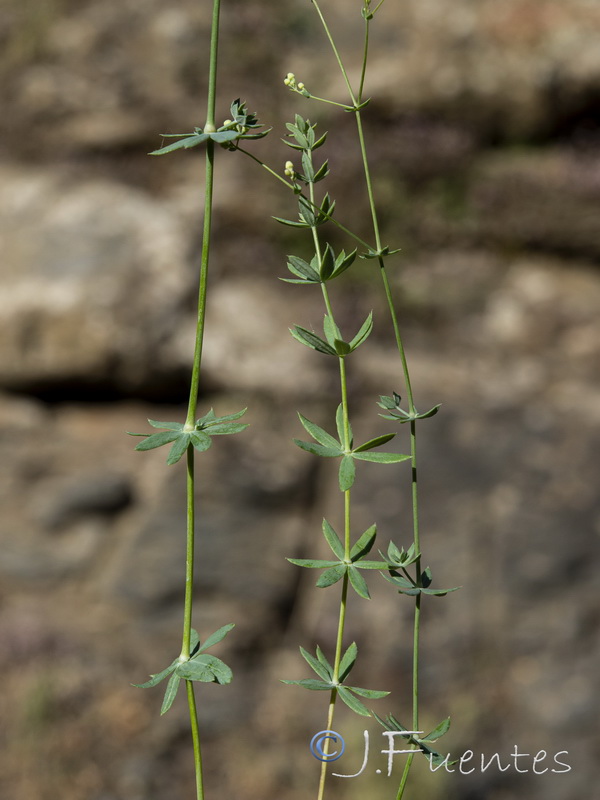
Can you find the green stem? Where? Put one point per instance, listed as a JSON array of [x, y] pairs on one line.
[[405, 370], [195, 739], [193, 398]]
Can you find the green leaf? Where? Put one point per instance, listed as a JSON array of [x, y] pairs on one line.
[[342, 263], [316, 665], [363, 333], [189, 140], [333, 540], [322, 172], [331, 330], [327, 263], [319, 434], [311, 339], [342, 348], [157, 678], [216, 637], [172, 426], [352, 703], [210, 420], [347, 473], [226, 428], [170, 693], [376, 442], [312, 563], [290, 223], [306, 212], [331, 576], [348, 661], [381, 458], [298, 266], [224, 136], [317, 449], [362, 564], [158, 440], [200, 441], [358, 583], [440, 592], [372, 694], [307, 167], [438, 731], [179, 447], [194, 642], [364, 543], [205, 668], [310, 683], [324, 661]]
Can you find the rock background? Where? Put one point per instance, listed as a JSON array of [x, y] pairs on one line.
[[484, 129]]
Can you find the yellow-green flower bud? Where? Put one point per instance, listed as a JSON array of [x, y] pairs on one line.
[[301, 86]]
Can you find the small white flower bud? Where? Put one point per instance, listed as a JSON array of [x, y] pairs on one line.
[[301, 86]]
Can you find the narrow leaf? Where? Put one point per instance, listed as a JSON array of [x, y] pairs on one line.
[[381, 458], [347, 473], [438, 731], [331, 576], [348, 661], [363, 333], [157, 440], [358, 583], [216, 637], [331, 330], [352, 702], [372, 694], [179, 447], [313, 563], [226, 429], [317, 449], [200, 441], [324, 661], [339, 420], [170, 693], [205, 668], [311, 339], [327, 263], [310, 683], [376, 442], [157, 678], [333, 540], [319, 434], [364, 543], [172, 426], [298, 266], [315, 665]]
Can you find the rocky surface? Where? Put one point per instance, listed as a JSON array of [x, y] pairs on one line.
[[499, 293]]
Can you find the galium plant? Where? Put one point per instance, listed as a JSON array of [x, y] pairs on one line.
[[195, 434], [400, 567]]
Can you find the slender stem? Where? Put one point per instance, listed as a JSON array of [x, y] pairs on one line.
[[405, 370], [195, 739], [193, 398]]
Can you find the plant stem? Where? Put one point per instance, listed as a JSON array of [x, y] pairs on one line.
[[405, 370], [193, 397]]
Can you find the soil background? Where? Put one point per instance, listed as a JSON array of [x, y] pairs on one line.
[[484, 134]]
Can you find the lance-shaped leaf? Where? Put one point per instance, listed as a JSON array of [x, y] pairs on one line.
[[364, 544], [397, 558], [406, 585], [381, 458], [216, 637], [385, 251], [376, 442], [358, 583], [363, 333], [157, 678], [189, 140], [348, 660], [331, 330], [310, 339], [310, 683], [180, 445], [347, 473], [157, 439], [331, 576], [303, 270], [437, 732], [170, 693], [324, 671], [342, 263], [319, 434], [333, 540], [327, 263]]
